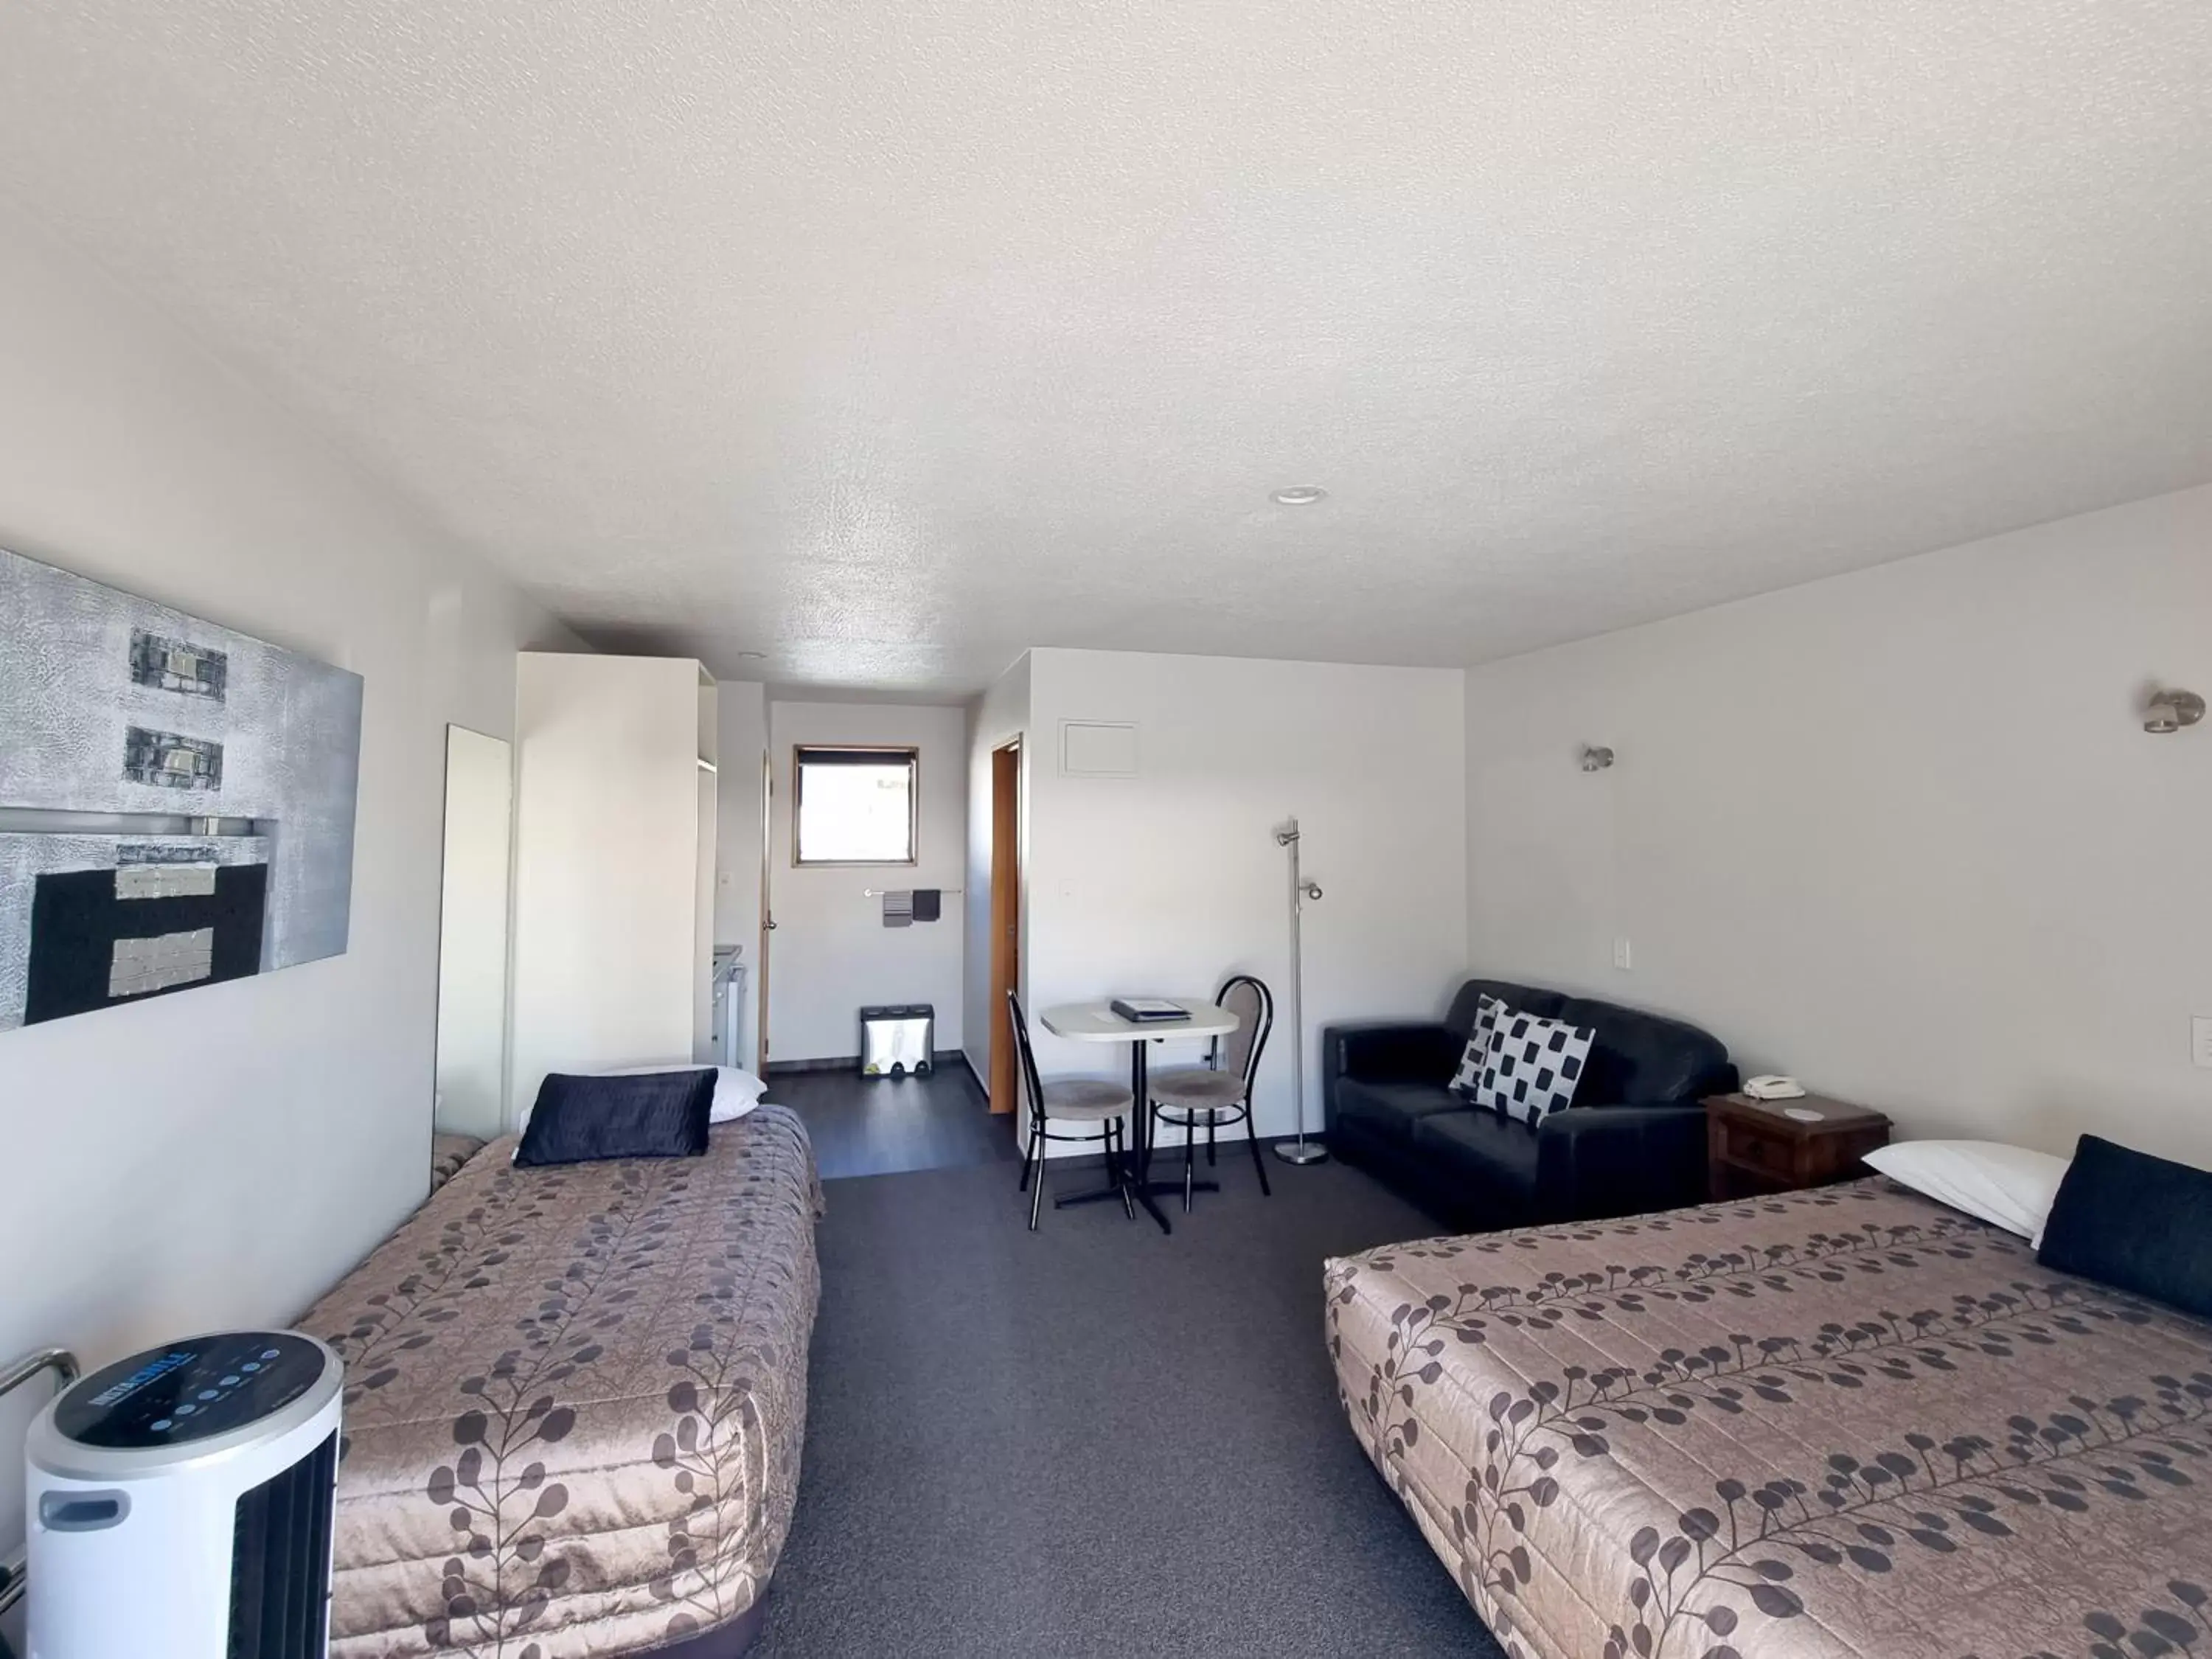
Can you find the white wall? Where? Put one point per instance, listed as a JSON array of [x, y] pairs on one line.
[[1164, 882], [223, 1156], [995, 718], [1900, 832], [742, 739], [832, 955]]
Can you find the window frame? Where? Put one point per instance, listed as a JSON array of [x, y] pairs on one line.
[[911, 753]]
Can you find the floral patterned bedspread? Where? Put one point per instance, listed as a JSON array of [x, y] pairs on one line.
[[574, 1401], [1848, 1423], [447, 1154]]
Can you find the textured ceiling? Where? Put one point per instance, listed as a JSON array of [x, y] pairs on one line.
[[888, 339]]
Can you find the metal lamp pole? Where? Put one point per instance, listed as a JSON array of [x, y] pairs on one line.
[[1301, 1151]]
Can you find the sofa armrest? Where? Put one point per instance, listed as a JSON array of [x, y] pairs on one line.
[[1385, 1051], [1596, 1162]]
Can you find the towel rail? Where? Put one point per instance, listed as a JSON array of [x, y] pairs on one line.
[[879, 892], [62, 1364]]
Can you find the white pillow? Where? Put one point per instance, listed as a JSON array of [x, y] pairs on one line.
[[736, 1092], [2008, 1187]]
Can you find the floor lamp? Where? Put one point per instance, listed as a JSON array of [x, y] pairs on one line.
[[1301, 1151]]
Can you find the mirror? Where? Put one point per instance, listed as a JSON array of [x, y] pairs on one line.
[[472, 1087]]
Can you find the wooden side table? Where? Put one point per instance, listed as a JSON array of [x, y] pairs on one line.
[[1753, 1147]]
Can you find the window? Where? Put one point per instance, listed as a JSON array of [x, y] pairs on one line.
[[853, 805]]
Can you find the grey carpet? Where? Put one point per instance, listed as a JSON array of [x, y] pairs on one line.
[[1093, 1439]]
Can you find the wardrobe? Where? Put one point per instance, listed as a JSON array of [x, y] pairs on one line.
[[614, 866]]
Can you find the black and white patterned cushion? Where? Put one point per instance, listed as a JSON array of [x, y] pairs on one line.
[[1488, 1012], [1534, 1067]]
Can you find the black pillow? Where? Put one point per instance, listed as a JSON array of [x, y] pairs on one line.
[[2135, 1222], [579, 1119]]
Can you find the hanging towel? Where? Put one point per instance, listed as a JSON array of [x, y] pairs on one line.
[[929, 903], [898, 909]]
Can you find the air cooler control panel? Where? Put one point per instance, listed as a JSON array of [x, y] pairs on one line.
[[189, 1391]]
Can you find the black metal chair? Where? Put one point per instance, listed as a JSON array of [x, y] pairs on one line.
[[1075, 1099], [1220, 1091]]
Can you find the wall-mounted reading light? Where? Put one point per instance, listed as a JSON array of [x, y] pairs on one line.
[[2167, 712], [1595, 759]]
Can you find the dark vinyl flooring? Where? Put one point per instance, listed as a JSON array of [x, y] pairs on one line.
[[864, 1126]]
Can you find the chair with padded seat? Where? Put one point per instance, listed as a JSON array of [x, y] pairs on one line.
[[1219, 1092], [1070, 1100]]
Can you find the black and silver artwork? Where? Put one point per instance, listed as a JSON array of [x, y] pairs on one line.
[[176, 799]]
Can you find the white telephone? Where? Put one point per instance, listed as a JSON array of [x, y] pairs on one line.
[[1774, 1088]]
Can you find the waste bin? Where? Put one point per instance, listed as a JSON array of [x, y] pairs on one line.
[[898, 1039]]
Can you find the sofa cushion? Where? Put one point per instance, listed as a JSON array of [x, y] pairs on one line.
[[1641, 1057], [1533, 1067], [1391, 1109], [1466, 1007], [1472, 1059], [1493, 1150]]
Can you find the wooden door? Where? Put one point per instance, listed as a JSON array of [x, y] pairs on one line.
[[1005, 918]]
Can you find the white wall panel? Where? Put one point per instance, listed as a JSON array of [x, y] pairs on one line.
[[221, 1157], [832, 955], [1901, 833], [1165, 881]]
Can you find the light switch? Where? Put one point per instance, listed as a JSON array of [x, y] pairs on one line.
[[1624, 956], [2200, 1041]]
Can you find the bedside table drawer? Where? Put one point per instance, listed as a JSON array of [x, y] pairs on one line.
[[1744, 1145]]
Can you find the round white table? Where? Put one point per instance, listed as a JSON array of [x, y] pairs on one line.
[[1096, 1021]]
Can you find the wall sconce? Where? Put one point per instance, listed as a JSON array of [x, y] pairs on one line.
[[1595, 759], [2166, 712]]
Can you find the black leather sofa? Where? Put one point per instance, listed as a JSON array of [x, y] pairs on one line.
[[1634, 1140]]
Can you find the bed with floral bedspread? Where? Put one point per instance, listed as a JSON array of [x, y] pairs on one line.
[[1847, 1423], [574, 1403]]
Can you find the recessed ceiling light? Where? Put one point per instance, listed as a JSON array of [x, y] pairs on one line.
[[753, 656], [1299, 496]]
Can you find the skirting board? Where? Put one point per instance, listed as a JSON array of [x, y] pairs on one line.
[[943, 1057]]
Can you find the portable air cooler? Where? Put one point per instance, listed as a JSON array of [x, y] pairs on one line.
[[179, 1504]]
